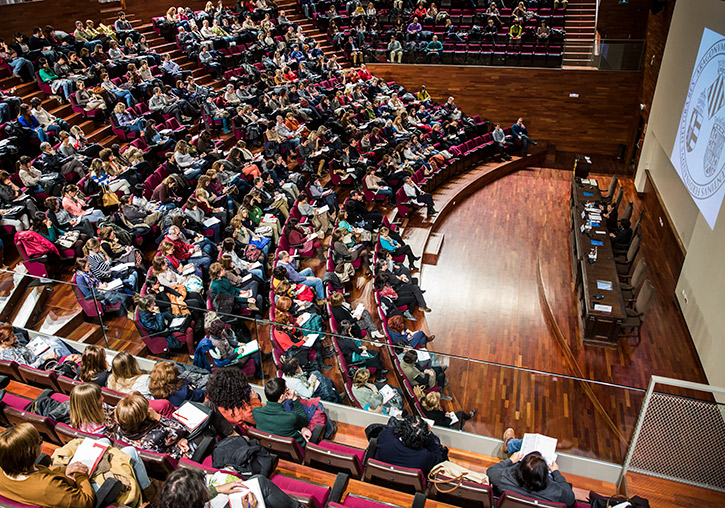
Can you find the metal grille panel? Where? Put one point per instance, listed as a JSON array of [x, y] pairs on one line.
[[682, 439]]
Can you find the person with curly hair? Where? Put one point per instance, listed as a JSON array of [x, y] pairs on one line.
[[229, 392], [410, 443]]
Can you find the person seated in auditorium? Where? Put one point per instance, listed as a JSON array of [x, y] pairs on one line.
[[342, 311], [126, 376], [94, 367], [431, 403], [189, 488], [12, 351], [434, 49], [521, 133], [357, 352], [391, 300], [622, 237], [221, 285], [398, 331], [321, 220], [93, 289], [530, 475], [301, 316], [412, 444], [368, 394], [24, 481], [228, 392], [191, 252], [308, 385], [397, 248], [165, 383], [275, 419], [359, 215], [88, 412], [292, 342], [543, 33], [419, 198], [341, 253], [407, 289], [141, 426], [610, 213], [503, 146], [305, 276], [427, 378]]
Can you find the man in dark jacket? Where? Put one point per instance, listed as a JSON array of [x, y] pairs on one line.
[[410, 443], [623, 236], [531, 477]]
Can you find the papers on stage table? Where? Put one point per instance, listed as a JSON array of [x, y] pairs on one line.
[[602, 308], [545, 445], [606, 285]]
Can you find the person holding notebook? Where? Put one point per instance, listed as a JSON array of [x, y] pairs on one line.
[[529, 475]]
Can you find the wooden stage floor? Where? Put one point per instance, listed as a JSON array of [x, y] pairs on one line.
[[486, 294]]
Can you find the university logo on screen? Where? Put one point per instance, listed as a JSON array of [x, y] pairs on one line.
[[702, 138]]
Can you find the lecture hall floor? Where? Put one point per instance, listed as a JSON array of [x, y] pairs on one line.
[[487, 299]]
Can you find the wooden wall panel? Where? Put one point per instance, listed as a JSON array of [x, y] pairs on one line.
[[598, 121], [622, 20], [661, 230]]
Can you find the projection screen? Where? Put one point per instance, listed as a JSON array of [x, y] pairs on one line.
[[698, 151]]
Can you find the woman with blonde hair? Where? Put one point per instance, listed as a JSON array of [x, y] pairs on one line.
[[369, 396], [431, 403], [165, 383], [24, 481], [94, 367], [88, 413], [126, 376], [126, 120]]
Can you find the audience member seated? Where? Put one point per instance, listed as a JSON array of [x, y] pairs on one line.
[[529, 475], [94, 367], [12, 351], [308, 385], [428, 378], [165, 383], [141, 426], [126, 376], [190, 488], [369, 396], [24, 481], [275, 419], [410, 443], [431, 403]]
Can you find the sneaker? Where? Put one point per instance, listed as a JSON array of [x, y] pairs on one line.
[[508, 434], [427, 309], [328, 354], [378, 335], [410, 317], [446, 397], [324, 366]]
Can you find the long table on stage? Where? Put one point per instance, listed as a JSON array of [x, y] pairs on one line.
[[600, 325]]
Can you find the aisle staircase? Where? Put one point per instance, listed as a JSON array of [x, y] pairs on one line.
[[580, 26], [294, 13]]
